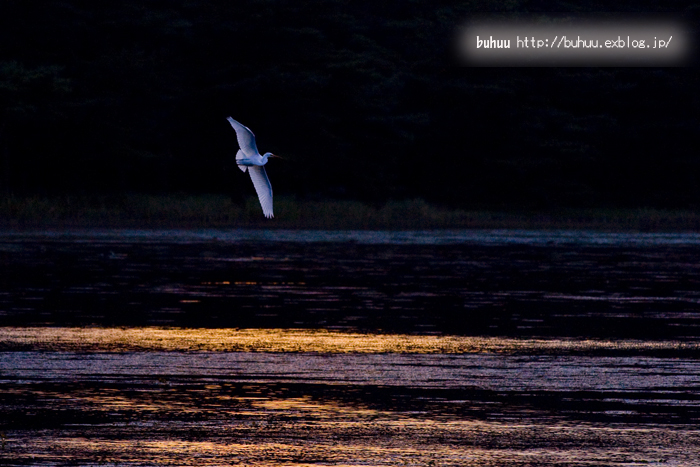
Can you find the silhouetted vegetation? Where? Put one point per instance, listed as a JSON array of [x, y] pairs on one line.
[[218, 211], [364, 98]]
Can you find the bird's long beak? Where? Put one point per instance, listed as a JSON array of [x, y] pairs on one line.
[[278, 157]]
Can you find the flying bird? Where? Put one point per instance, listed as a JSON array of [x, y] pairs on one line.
[[248, 158]]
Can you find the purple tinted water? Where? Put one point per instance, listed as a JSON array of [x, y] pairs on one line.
[[586, 351]]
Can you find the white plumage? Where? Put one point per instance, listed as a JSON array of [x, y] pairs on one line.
[[248, 158]]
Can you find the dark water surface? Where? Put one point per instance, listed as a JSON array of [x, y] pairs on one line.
[[501, 348]]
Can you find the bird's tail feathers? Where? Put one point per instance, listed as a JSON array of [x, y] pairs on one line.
[[240, 155]]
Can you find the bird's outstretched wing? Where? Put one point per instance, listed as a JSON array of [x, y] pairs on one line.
[[262, 187], [246, 138]]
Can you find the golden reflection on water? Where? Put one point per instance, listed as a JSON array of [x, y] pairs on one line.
[[406, 442], [320, 410], [299, 340], [205, 421]]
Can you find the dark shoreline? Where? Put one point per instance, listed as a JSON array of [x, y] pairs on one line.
[[218, 211]]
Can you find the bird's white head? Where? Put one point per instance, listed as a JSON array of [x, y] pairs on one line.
[[269, 155]]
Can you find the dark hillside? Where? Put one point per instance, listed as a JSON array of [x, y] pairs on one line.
[[364, 98]]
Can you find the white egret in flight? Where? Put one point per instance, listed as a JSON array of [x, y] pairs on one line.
[[248, 158]]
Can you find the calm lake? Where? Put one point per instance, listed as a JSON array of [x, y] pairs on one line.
[[449, 348]]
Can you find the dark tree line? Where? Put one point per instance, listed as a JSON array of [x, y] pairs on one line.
[[364, 98]]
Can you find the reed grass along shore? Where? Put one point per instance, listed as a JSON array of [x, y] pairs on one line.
[[198, 211]]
